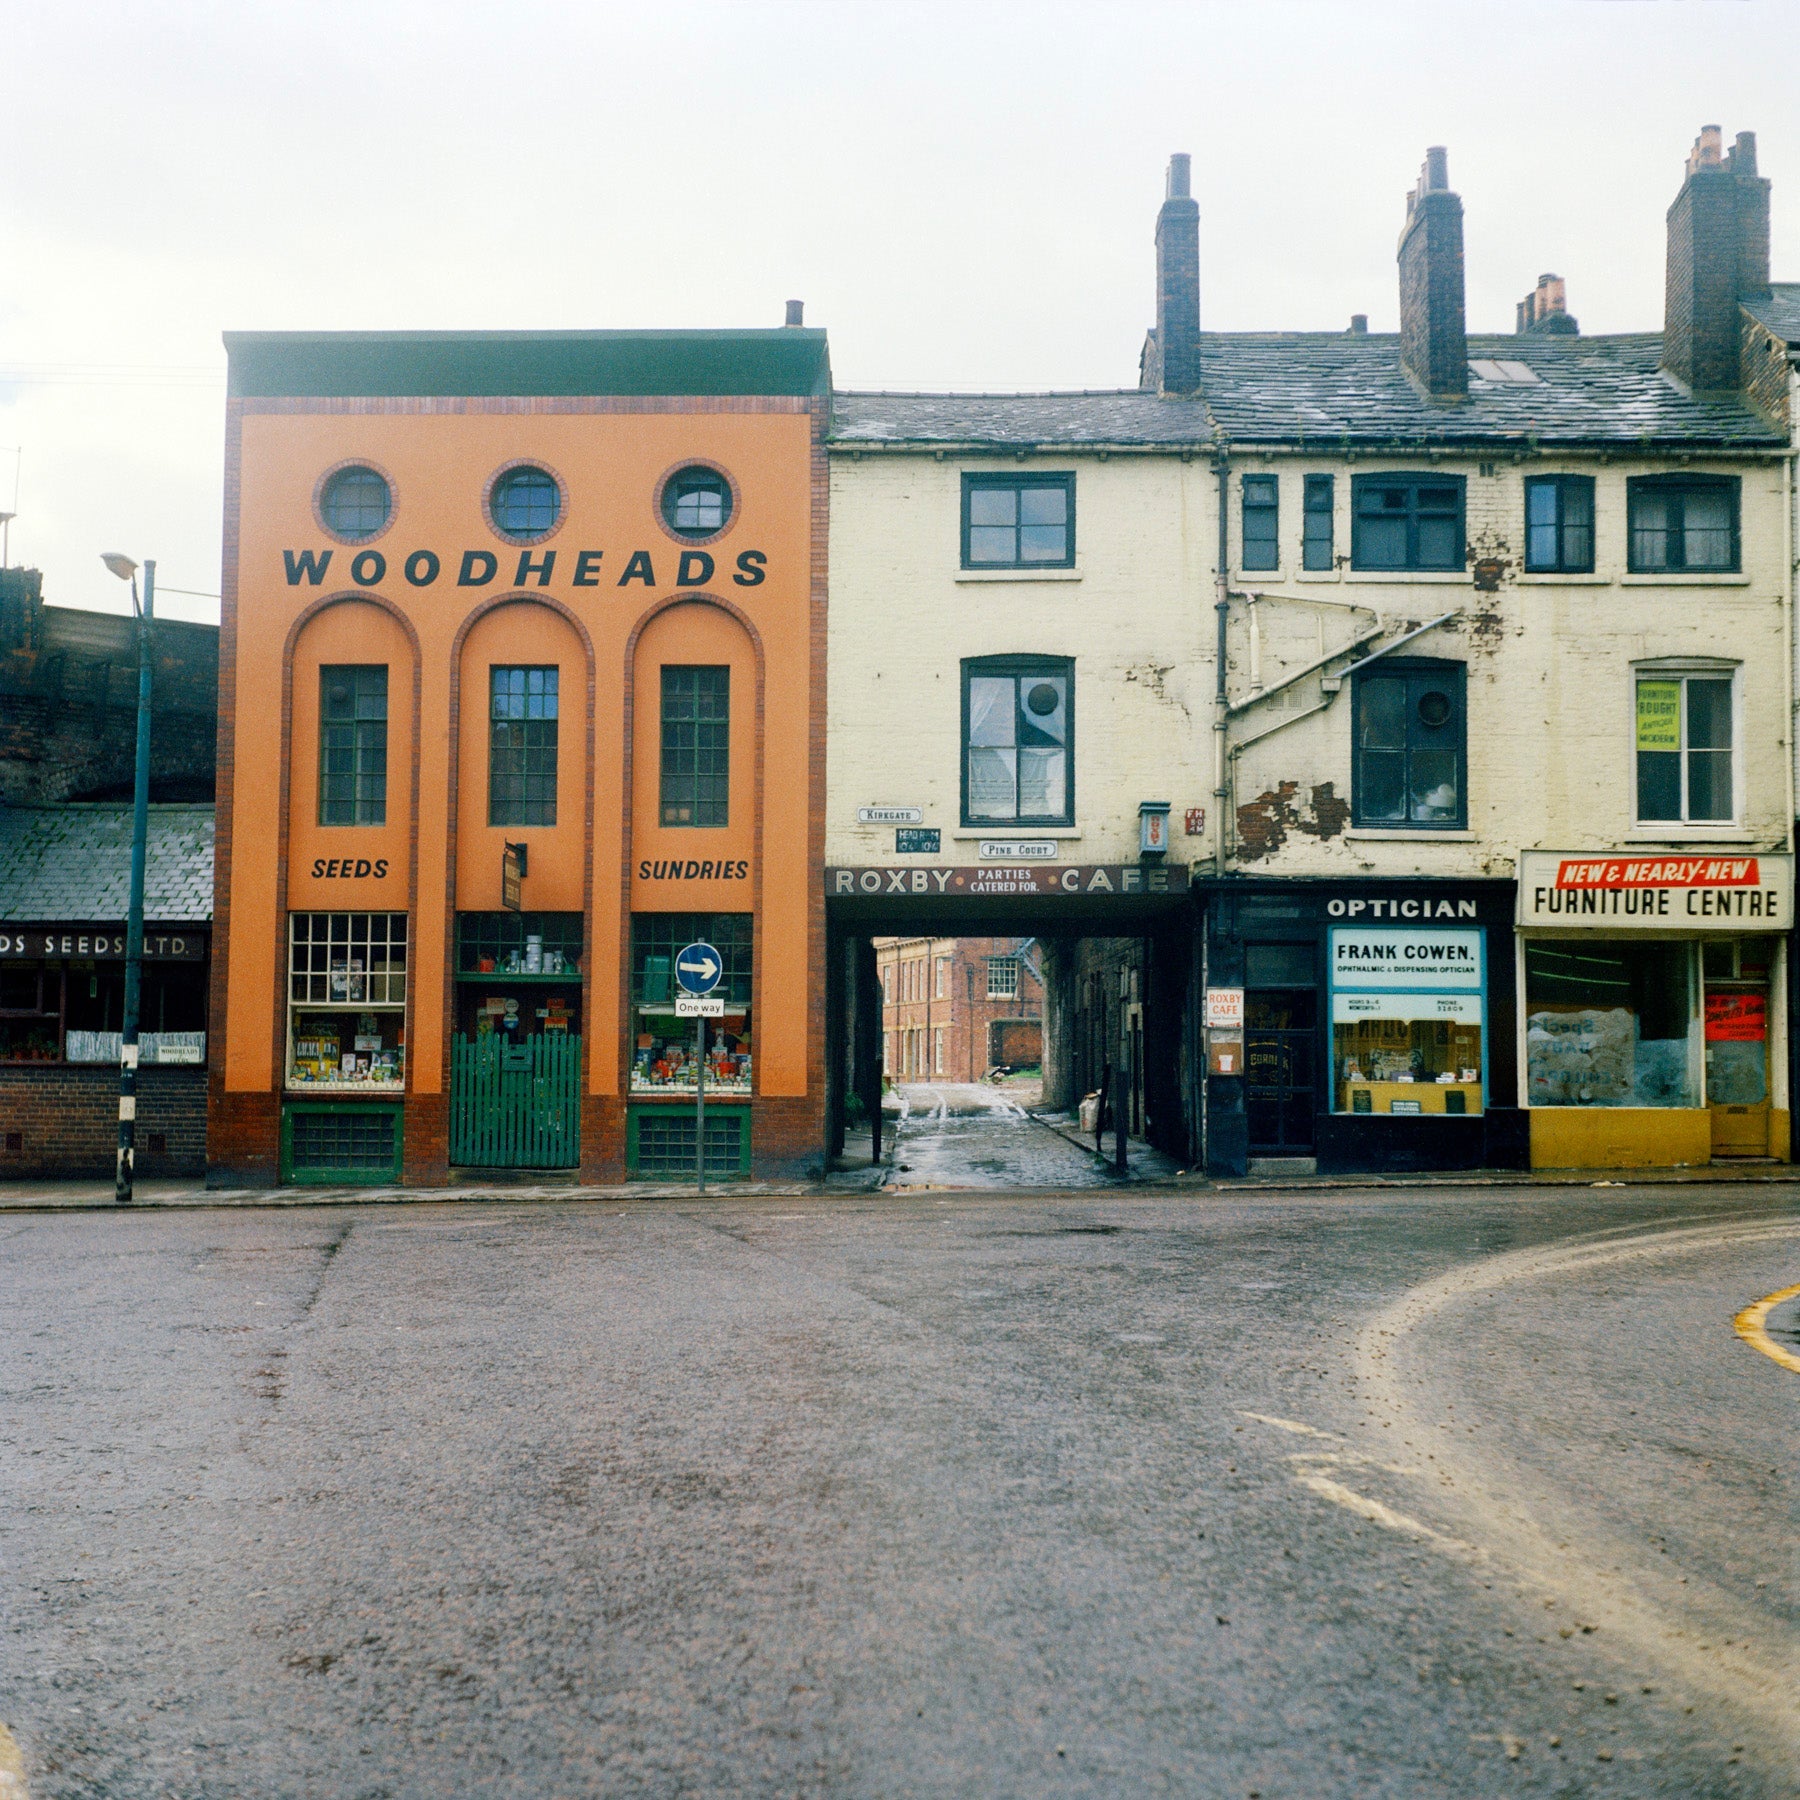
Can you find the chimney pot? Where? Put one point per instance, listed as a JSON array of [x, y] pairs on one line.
[[1359, 324], [1434, 345], [1718, 257], [796, 312], [1171, 362]]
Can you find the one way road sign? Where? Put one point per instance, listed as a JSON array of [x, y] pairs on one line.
[[698, 968]]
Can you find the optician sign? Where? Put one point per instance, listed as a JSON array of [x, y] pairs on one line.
[[1662, 892]]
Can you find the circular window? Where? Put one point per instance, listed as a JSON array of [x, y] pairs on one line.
[[1042, 699], [525, 502], [356, 503], [1434, 710], [696, 502]]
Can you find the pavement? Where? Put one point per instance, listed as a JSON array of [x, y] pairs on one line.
[[1112, 1492]]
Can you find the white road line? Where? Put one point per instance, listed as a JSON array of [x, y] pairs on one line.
[[1695, 1629], [12, 1768], [1376, 1513], [1293, 1425]]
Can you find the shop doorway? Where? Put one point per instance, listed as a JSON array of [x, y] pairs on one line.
[[1281, 1028], [1736, 973], [515, 1053]]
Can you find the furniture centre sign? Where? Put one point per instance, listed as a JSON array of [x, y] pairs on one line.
[[1660, 892]]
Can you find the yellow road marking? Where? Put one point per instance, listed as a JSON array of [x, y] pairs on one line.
[[1750, 1328], [12, 1768]]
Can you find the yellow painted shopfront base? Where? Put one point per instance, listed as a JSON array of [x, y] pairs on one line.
[[1620, 1137]]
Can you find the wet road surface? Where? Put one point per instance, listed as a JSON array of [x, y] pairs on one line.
[[1428, 1493], [976, 1135]]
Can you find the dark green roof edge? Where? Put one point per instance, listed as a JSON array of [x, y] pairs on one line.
[[281, 365]]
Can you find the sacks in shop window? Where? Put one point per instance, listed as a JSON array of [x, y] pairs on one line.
[[1586, 1058]]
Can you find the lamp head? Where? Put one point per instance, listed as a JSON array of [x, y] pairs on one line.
[[120, 564]]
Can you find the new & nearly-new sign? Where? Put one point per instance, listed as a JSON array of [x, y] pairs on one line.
[[1656, 892]]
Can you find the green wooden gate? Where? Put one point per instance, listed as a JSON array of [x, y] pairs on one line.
[[516, 1106]]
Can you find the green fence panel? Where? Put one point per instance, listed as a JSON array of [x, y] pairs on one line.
[[516, 1106]]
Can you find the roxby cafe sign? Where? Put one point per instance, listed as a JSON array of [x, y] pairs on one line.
[[1656, 893]]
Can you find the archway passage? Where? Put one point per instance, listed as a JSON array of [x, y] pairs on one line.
[[973, 1028]]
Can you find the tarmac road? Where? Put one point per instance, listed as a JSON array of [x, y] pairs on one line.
[[1429, 1492], [976, 1134]]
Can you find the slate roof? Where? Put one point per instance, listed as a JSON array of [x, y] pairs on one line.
[[1780, 312], [1332, 389], [72, 864], [788, 359]]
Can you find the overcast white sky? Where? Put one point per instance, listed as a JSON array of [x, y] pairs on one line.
[[963, 193]]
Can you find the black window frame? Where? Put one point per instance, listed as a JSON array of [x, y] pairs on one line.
[[1019, 482], [1409, 669], [703, 787], [1266, 509], [1414, 481], [532, 808], [517, 476], [1019, 669], [1318, 550], [332, 495], [1563, 487], [1638, 487], [363, 738], [697, 478], [1688, 757]]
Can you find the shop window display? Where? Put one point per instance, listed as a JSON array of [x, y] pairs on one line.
[[1611, 1023], [1737, 973], [664, 1049], [347, 1000], [518, 975], [1408, 1021]]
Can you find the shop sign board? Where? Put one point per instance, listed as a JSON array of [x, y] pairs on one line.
[[1656, 892], [1224, 1053], [1347, 1009], [1078, 881], [1018, 849], [1224, 1009], [1419, 957], [101, 943]]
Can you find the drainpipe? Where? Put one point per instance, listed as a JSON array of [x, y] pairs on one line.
[[1221, 705]]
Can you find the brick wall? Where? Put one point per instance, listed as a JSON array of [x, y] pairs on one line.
[[68, 702], [66, 1120], [1433, 345]]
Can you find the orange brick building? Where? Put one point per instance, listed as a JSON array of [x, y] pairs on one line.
[[521, 690]]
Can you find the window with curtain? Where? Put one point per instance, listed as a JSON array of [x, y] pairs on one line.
[[1018, 741]]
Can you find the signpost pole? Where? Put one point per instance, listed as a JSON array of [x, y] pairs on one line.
[[125, 1171], [700, 1107]]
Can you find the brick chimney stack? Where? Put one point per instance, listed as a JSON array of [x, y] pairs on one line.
[[1434, 346], [1178, 284], [1546, 310], [1718, 256]]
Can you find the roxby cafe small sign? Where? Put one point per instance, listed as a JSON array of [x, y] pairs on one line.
[[1657, 893]]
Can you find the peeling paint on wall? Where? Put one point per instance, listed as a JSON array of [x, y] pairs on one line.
[[1263, 824]]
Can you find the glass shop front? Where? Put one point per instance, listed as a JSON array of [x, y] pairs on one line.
[[1655, 1007]]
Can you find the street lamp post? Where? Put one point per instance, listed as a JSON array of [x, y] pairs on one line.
[[126, 570]]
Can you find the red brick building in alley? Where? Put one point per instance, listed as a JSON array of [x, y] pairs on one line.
[[954, 1008]]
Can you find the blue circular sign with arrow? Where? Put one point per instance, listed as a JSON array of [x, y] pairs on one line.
[[698, 968]]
